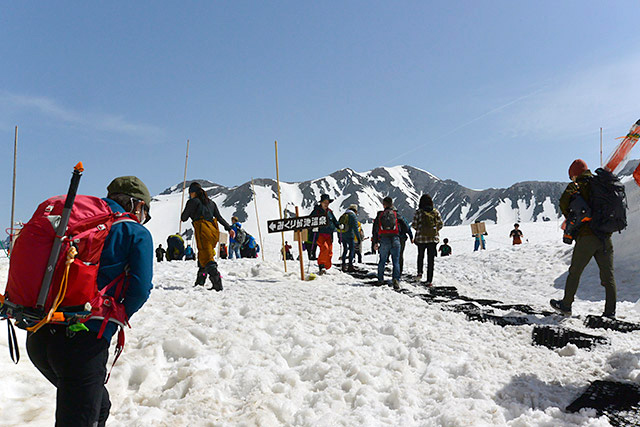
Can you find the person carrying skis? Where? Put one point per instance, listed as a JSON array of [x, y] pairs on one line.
[[587, 245], [75, 362], [350, 233], [205, 216], [234, 244], [160, 253], [427, 222], [516, 234], [386, 239], [324, 239], [445, 249]]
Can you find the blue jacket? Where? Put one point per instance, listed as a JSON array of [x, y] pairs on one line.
[[128, 243], [353, 233], [332, 225], [235, 227]]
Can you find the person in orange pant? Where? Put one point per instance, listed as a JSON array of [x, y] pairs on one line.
[[325, 234]]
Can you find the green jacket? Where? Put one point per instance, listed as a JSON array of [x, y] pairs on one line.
[[582, 186]]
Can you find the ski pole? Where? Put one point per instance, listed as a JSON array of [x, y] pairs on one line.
[[60, 236]]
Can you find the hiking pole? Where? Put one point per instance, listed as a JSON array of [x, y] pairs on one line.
[[13, 197], [60, 236]]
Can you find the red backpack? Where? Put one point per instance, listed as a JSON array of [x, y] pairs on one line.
[[74, 296]]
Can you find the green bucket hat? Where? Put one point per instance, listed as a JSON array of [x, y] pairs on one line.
[[131, 186]]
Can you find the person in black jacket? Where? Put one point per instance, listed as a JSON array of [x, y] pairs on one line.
[[160, 253], [205, 216]]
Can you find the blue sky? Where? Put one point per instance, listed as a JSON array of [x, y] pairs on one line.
[[485, 93]]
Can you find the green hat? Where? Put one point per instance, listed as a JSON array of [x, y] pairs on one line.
[[131, 186]]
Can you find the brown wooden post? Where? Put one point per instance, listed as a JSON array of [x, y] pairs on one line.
[[299, 233]]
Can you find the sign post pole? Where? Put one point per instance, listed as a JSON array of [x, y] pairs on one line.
[[184, 185], [282, 251], [299, 233]]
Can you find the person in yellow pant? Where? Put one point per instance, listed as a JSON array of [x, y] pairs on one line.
[[206, 219]]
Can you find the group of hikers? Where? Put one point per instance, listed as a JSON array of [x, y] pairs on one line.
[[74, 358]]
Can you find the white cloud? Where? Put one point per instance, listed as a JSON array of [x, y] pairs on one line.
[[96, 121]]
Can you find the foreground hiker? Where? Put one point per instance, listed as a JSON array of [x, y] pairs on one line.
[[587, 244], [350, 234], [205, 216], [386, 239], [75, 361], [516, 234], [324, 235], [160, 253], [427, 222]]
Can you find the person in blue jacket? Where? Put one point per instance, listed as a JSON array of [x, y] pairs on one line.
[[234, 245], [74, 361]]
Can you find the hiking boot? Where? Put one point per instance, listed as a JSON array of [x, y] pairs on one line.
[[429, 285], [611, 316], [418, 277], [379, 284], [396, 284], [322, 269], [351, 269], [345, 268], [558, 306], [201, 277], [214, 277]]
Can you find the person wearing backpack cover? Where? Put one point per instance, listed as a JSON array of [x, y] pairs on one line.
[[205, 216], [350, 233], [75, 362], [324, 235], [587, 244], [386, 240], [427, 223], [235, 243]]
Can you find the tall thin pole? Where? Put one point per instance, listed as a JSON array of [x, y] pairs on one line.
[[284, 254], [184, 185], [255, 202], [13, 197], [600, 147], [299, 233]]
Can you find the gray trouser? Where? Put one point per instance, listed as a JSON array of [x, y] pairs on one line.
[[588, 247]]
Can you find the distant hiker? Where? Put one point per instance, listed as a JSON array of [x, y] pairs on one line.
[[480, 241], [175, 247], [445, 249], [350, 234], [236, 242], [250, 248], [286, 251], [588, 245], [324, 239], [358, 243], [516, 234], [74, 358], [386, 238], [427, 223], [405, 234], [189, 254], [205, 216], [224, 253], [160, 253]]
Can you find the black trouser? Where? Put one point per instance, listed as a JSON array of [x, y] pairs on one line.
[[77, 367], [430, 248]]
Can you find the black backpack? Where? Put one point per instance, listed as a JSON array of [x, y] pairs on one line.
[[608, 203], [389, 222]]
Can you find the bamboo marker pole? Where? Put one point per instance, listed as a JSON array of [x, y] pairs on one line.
[[13, 196], [299, 233], [255, 202], [284, 255], [184, 185], [600, 147]]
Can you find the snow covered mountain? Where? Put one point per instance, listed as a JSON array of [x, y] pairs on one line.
[[526, 201]]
